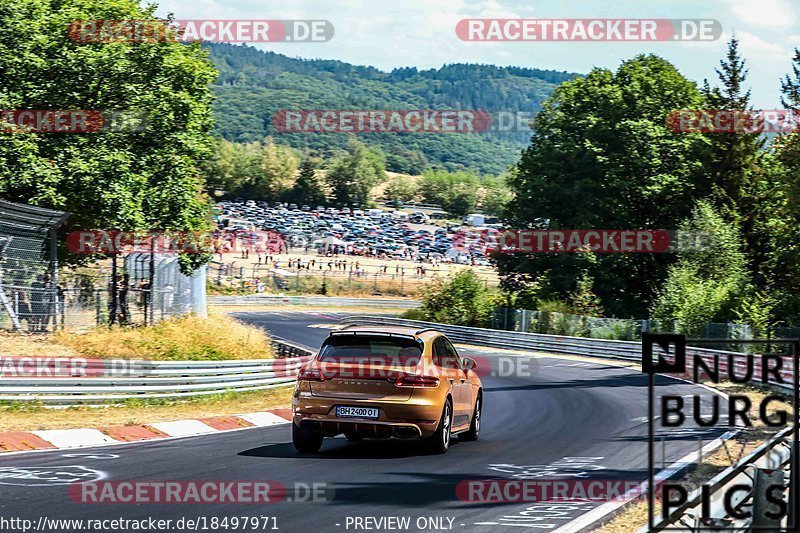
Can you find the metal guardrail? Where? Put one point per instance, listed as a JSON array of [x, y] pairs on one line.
[[602, 348], [324, 301], [145, 380], [773, 455]]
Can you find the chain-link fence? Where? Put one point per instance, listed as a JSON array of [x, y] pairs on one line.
[[118, 291], [29, 296], [330, 276], [555, 323], [38, 296]]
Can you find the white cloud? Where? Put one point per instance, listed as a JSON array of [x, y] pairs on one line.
[[765, 13], [753, 46]]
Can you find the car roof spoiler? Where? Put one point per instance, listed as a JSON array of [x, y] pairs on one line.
[[371, 333]]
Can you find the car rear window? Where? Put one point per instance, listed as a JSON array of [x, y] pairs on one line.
[[371, 350]]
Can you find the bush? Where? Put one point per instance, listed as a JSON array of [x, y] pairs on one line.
[[414, 314], [462, 299], [705, 285]]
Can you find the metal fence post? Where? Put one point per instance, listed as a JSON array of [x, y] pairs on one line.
[[151, 283], [53, 278], [97, 303], [763, 482], [112, 315]]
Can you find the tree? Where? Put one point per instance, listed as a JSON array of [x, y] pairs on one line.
[[223, 169], [709, 284], [495, 195], [130, 178], [309, 188], [455, 192], [399, 159], [604, 158], [790, 85], [733, 158], [778, 222], [353, 174], [277, 166], [258, 170], [401, 187]]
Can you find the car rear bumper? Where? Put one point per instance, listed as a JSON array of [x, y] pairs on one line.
[[364, 428], [407, 419]]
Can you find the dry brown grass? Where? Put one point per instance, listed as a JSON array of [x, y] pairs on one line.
[[189, 338], [29, 345], [32, 418]]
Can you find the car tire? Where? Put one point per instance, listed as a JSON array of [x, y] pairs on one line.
[[439, 442], [475, 426], [306, 440]]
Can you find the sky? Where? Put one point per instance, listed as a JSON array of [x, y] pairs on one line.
[[401, 33]]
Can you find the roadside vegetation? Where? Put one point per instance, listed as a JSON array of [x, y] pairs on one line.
[[193, 338], [605, 155], [462, 299], [354, 176]]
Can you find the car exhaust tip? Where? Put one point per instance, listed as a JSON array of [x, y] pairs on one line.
[[406, 433]]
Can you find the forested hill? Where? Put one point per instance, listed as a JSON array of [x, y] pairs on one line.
[[255, 84]]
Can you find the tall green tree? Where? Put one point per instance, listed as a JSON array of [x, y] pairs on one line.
[[353, 174], [222, 170], [131, 178], [461, 299], [309, 188], [733, 162], [455, 192], [779, 219], [603, 157], [495, 195], [401, 187], [275, 174]]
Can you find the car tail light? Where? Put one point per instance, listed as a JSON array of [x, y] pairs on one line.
[[310, 374], [415, 380]]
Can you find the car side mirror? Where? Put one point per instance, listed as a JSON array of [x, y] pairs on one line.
[[469, 364]]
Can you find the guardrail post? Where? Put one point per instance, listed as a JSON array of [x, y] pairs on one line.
[[766, 515]]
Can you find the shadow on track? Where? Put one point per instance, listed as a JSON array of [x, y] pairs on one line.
[[619, 380], [342, 449]]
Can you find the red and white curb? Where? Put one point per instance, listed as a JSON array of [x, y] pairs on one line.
[[58, 439]]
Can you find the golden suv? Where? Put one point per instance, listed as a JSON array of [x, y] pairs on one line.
[[380, 382]]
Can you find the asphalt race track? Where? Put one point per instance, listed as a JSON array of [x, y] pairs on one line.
[[562, 419]]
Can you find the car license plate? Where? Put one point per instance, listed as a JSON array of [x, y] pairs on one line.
[[343, 411]]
